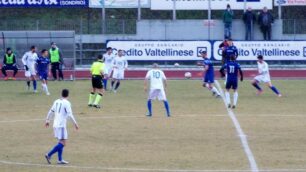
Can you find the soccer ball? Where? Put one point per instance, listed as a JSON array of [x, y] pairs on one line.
[[176, 64], [188, 75]]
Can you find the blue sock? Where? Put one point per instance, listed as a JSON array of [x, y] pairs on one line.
[[60, 151], [257, 86], [105, 83], [149, 104], [54, 150], [274, 89], [167, 107], [34, 84]]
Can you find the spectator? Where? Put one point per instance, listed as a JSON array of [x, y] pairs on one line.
[[9, 63], [56, 61], [227, 20], [249, 19], [265, 21]]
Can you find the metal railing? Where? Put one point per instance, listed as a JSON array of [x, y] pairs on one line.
[[80, 26]]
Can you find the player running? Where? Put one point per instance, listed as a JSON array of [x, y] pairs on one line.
[[108, 58], [29, 61], [97, 71], [232, 68], [120, 64], [208, 80], [158, 84], [61, 110], [43, 65], [263, 76]]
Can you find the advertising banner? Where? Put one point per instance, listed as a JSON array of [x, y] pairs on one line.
[[118, 3], [162, 50], [289, 2], [215, 5], [44, 3], [271, 50]]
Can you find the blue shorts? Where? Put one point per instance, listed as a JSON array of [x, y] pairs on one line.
[[231, 84], [43, 76], [209, 78]]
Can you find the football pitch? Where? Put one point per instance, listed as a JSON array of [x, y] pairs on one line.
[[202, 134]]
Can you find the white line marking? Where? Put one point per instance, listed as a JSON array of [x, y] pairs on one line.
[[242, 136], [136, 169], [174, 116], [113, 168]]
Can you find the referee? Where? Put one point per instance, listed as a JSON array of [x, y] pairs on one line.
[[56, 61], [97, 72]]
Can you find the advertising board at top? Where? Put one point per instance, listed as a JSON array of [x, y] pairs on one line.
[[118, 3], [44, 3], [162, 50], [271, 50], [203, 4], [289, 2]]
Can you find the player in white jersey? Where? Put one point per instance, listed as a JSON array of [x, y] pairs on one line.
[[120, 64], [108, 59], [263, 76], [158, 84], [61, 109], [29, 60]]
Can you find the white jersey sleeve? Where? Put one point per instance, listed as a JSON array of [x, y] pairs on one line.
[[24, 58], [50, 113], [69, 112], [125, 63]]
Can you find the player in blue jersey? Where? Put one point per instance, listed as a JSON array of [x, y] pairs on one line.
[[43, 63], [230, 50], [209, 75], [232, 68]]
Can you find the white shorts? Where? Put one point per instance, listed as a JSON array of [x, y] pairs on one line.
[[108, 71], [118, 74], [157, 94], [30, 72], [263, 78], [60, 133]]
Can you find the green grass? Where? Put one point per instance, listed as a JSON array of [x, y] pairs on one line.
[[200, 135]]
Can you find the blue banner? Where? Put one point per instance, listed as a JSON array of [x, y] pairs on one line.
[[43, 3]]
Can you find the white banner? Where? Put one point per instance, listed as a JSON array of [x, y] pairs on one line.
[[271, 50], [118, 3], [203, 4], [162, 50], [289, 2]]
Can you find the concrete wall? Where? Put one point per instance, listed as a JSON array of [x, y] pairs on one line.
[[188, 30]]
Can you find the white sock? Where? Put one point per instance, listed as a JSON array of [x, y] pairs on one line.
[[235, 98], [228, 98], [45, 88], [215, 90]]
